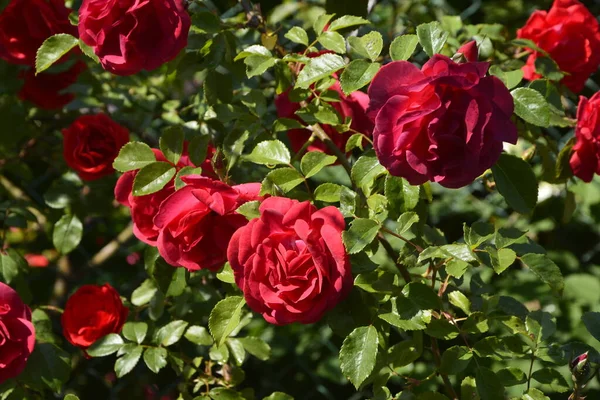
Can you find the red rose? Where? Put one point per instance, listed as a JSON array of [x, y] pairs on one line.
[[585, 160], [131, 35], [291, 263], [91, 144], [17, 333], [571, 36], [469, 51], [443, 123], [93, 312], [46, 89], [25, 24], [144, 208], [196, 222]]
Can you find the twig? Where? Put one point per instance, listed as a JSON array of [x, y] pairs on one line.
[[107, 251], [388, 248], [416, 246], [438, 361]]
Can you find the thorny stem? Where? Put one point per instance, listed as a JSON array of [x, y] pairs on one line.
[[416, 246], [111, 248], [388, 248], [322, 136], [436, 355]]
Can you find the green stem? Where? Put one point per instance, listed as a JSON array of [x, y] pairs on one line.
[[388, 248]]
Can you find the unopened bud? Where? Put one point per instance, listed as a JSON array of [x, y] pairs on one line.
[[580, 367]]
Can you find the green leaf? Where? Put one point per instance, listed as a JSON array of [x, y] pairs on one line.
[[478, 233], [504, 237], [442, 329], [155, 358], [281, 180], [403, 353], [269, 153], [356, 75], [461, 301], [135, 331], [511, 376], [257, 59], [403, 47], [357, 139], [358, 354], [88, 51], [226, 274], [534, 394], [361, 233], [367, 46], [170, 333], [152, 178], [278, 396], [510, 78], [333, 41], [432, 396], [197, 149], [422, 296], [460, 251], [67, 233], [318, 68], [249, 209], [406, 221], [143, 293], [9, 265], [546, 270], [48, 366], [328, 192], [516, 182], [551, 378], [199, 335], [321, 22], [297, 35], [592, 323], [225, 317], [53, 49], [171, 143], [128, 361], [179, 183], [432, 37], [529, 44], [455, 360], [257, 347], [221, 393], [347, 21], [456, 268], [366, 170], [132, 156], [501, 259], [314, 161], [285, 124], [532, 107], [106, 345], [70, 397], [489, 386], [401, 195]]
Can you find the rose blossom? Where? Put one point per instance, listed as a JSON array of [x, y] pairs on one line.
[[131, 35], [45, 90], [445, 123], [144, 208], [26, 24], [91, 144], [17, 333], [571, 36], [291, 263], [196, 222], [93, 312], [585, 160]]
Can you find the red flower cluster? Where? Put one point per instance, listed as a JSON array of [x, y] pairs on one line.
[[129, 36], [444, 123], [17, 333], [570, 34], [24, 26]]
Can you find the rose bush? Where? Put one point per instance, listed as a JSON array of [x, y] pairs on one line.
[[323, 199], [291, 263]]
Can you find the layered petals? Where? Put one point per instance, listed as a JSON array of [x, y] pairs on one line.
[[585, 160]]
